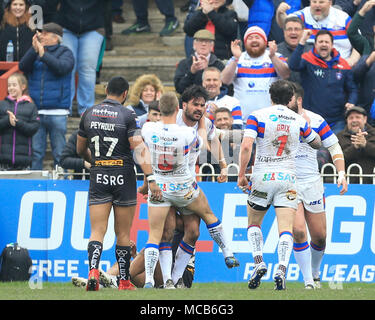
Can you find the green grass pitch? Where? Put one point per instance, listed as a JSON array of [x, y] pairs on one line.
[[199, 292]]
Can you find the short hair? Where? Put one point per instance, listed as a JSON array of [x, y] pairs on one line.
[[154, 105], [222, 109], [194, 92], [117, 86], [168, 103], [210, 69], [323, 32], [293, 18], [281, 92], [298, 90]]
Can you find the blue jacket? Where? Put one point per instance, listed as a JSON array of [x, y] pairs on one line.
[[328, 85], [49, 77]]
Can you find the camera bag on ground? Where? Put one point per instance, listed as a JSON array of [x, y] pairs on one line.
[[15, 263]]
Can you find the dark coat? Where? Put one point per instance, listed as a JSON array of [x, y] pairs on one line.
[[226, 28], [16, 142], [22, 38], [365, 157], [183, 77], [49, 77]]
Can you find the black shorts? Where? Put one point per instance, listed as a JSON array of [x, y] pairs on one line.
[[116, 185]]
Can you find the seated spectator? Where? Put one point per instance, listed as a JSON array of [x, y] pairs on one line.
[[15, 28], [18, 123], [211, 81], [48, 66], [189, 70], [219, 20], [357, 141], [293, 30], [327, 79], [71, 160], [321, 15], [146, 88]]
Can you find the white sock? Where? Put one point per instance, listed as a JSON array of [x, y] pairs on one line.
[[217, 234], [317, 254], [284, 250], [182, 258], [255, 239], [165, 259], [302, 255], [151, 258]]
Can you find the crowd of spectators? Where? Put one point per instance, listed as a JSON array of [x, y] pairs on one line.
[[235, 49]]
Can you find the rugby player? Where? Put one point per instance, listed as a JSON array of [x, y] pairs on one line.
[[311, 195], [277, 130], [177, 181], [107, 133]]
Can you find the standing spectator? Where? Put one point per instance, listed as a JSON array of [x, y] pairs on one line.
[[18, 123], [219, 99], [147, 88], [253, 71], [15, 28], [189, 70], [322, 15], [327, 79], [166, 8], [357, 141], [48, 66], [83, 23], [293, 30], [117, 11], [219, 20], [70, 158]]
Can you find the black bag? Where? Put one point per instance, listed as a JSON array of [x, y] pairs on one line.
[[15, 263]]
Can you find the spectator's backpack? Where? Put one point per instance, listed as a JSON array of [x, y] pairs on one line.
[[15, 263]]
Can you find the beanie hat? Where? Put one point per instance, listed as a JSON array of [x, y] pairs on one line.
[[255, 30]]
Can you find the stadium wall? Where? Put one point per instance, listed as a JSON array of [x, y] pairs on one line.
[[51, 219]]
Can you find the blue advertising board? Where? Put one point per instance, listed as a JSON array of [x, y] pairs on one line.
[[51, 219]]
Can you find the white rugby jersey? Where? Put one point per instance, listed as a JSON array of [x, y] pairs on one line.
[[337, 22], [169, 145], [233, 105], [196, 149], [277, 131], [306, 158], [253, 79]]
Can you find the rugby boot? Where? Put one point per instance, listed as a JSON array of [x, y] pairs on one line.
[[93, 280], [126, 285], [280, 281], [259, 271], [231, 262]]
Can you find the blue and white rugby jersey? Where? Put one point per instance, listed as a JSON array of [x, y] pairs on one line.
[[337, 22], [277, 131], [253, 79], [170, 146], [306, 158], [196, 149]]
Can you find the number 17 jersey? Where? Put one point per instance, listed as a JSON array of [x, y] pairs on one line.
[[277, 131]]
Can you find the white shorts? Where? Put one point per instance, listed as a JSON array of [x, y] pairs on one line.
[[311, 194], [273, 188], [179, 199]]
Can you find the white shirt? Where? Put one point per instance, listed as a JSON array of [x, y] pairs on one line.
[[230, 103], [253, 79], [337, 22], [306, 158], [277, 131]]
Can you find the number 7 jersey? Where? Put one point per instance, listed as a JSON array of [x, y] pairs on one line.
[[277, 131]]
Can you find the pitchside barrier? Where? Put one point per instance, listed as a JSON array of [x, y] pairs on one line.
[[48, 214]]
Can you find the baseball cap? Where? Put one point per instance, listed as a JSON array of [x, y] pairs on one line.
[[255, 30], [54, 28], [356, 109], [204, 34]]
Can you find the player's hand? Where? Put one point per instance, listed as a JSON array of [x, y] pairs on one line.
[[223, 175], [143, 189], [306, 117], [344, 184], [133, 249], [156, 193], [243, 184]]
